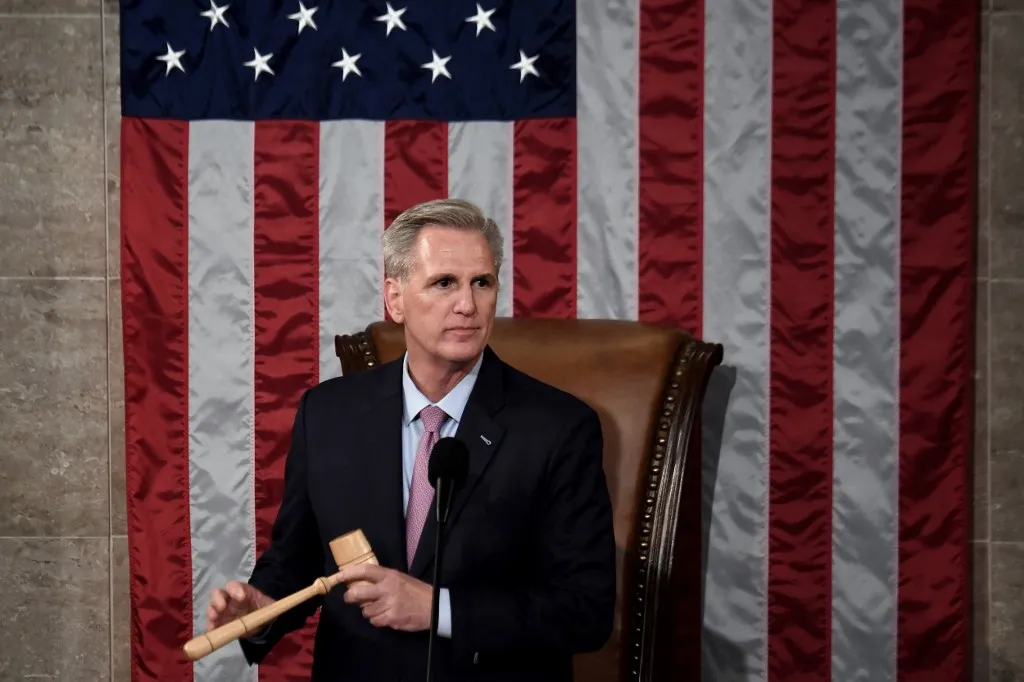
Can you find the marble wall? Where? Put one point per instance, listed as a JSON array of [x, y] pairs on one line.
[[62, 512], [999, 434], [62, 520]]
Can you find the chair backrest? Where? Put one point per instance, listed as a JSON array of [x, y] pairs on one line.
[[647, 383]]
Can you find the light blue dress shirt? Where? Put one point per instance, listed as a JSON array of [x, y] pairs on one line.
[[453, 404]]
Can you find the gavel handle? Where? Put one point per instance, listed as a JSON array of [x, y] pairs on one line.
[[251, 623]]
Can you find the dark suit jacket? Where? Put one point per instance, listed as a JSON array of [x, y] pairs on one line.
[[529, 556]]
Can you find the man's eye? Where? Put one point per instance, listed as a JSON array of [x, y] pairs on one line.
[[483, 282], [444, 282]]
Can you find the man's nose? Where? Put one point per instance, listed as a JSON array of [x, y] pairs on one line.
[[465, 302]]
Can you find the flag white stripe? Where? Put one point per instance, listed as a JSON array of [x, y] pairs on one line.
[[221, 397], [737, 266], [867, 324], [480, 158], [351, 225], [607, 68]]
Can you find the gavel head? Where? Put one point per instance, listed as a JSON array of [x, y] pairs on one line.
[[352, 548]]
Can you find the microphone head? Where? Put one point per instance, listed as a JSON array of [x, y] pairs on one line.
[[449, 460]]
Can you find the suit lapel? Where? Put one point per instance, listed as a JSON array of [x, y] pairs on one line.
[[377, 440], [482, 436]]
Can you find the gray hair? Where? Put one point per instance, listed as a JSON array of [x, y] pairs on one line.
[[400, 237]]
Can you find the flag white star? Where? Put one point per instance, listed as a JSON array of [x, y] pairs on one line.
[[259, 63], [437, 67], [304, 17], [215, 14], [347, 64], [525, 66], [393, 18], [482, 19], [172, 59]]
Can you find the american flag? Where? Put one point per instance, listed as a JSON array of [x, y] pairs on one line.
[[792, 179]]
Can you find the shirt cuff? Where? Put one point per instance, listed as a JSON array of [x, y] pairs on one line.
[[444, 614]]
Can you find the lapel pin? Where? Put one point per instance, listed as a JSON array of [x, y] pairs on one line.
[[484, 439]]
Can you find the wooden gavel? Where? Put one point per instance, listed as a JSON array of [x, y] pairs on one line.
[[348, 550]]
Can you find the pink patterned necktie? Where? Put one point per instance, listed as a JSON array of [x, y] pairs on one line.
[[422, 494]]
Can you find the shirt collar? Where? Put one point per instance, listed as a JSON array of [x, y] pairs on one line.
[[453, 404]]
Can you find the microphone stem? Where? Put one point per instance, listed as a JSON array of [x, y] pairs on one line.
[[435, 589]]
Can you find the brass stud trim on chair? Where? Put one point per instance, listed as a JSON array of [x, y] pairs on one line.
[[657, 526], [355, 352]]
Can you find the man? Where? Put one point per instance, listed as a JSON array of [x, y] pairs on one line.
[[528, 577]]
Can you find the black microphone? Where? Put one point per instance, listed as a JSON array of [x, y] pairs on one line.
[[449, 463]]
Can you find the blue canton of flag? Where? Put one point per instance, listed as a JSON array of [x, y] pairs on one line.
[[365, 59]]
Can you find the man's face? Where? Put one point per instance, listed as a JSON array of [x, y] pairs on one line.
[[447, 304]]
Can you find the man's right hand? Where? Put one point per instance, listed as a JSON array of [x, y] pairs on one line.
[[234, 601]]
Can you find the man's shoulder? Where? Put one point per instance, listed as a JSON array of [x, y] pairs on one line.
[[357, 388]]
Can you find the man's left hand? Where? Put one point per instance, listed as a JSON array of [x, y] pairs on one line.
[[387, 597]]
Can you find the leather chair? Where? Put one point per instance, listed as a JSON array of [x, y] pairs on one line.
[[647, 383]]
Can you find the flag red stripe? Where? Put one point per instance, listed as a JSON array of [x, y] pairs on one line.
[[544, 218], [154, 280], [671, 156], [936, 355], [800, 388], [415, 164], [285, 306], [670, 252]]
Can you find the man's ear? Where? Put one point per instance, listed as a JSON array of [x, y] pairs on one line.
[[393, 299]]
